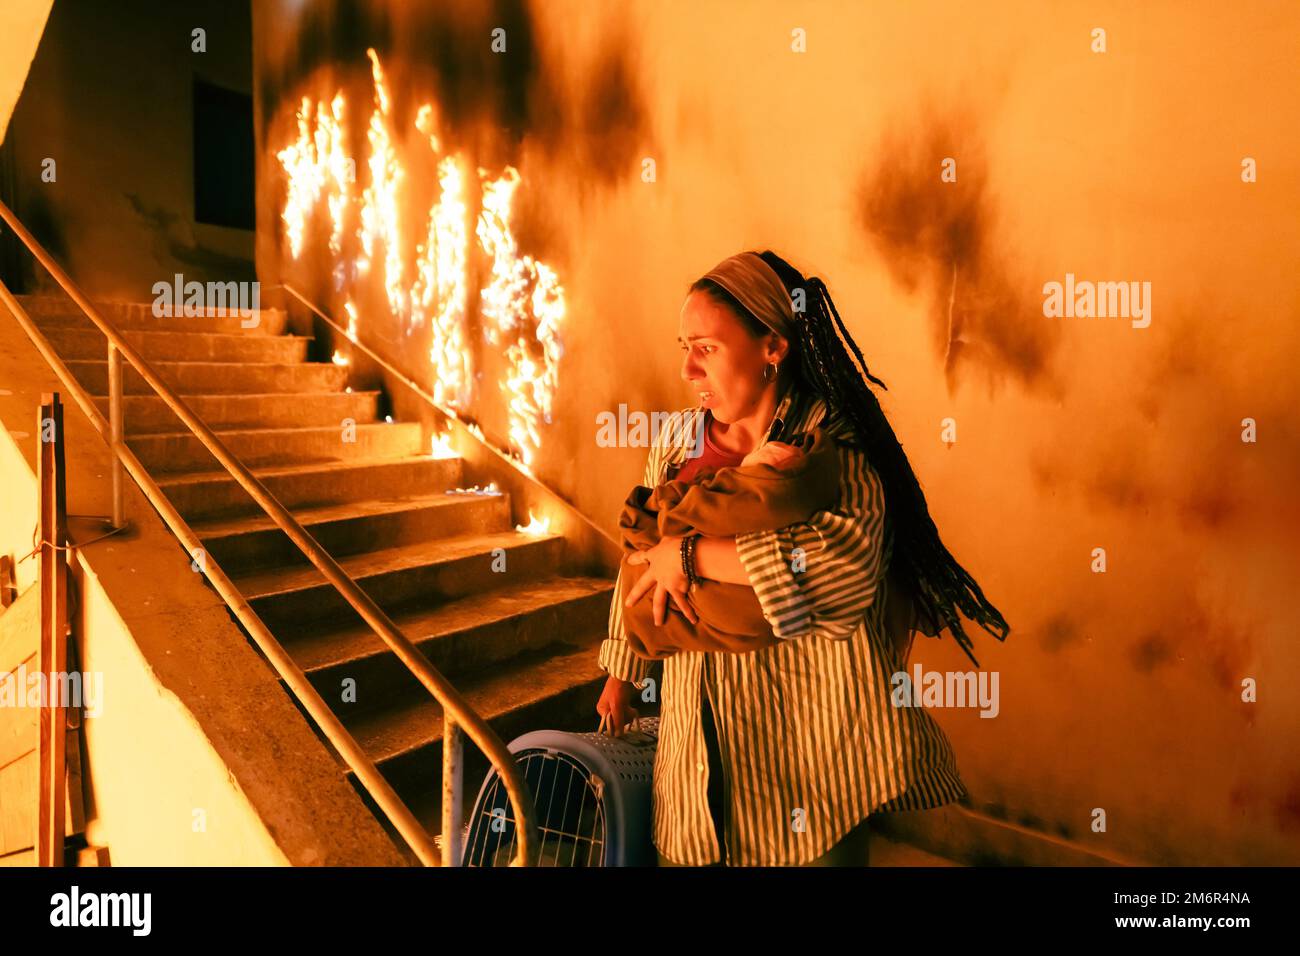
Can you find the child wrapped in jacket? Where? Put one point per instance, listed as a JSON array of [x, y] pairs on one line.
[[726, 502]]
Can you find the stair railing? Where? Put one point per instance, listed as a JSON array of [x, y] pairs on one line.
[[458, 715], [452, 419]]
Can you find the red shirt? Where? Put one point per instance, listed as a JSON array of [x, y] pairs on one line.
[[710, 460]]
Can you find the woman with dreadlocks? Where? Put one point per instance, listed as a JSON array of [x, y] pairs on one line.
[[776, 755]]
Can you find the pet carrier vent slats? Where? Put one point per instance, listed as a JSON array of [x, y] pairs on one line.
[[593, 800]]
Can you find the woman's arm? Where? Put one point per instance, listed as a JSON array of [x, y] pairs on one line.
[[822, 574], [718, 560], [616, 656]]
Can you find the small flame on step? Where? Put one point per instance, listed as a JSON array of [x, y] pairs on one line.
[[340, 358], [440, 446], [536, 526], [491, 489]]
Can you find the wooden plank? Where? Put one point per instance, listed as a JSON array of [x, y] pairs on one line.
[[18, 792], [21, 858], [20, 630], [19, 726], [8, 584], [89, 856], [18, 733], [20, 638], [76, 819], [53, 577]]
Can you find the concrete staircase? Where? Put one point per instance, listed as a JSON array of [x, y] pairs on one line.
[[520, 645]]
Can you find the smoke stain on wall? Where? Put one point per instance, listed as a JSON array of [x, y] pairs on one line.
[[613, 118], [1151, 652], [1059, 632], [939, 238], [444, 52], [1287, 809]]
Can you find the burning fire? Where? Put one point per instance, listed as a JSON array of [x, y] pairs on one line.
[[380, 217], [520, 286], [490, 489], [440, 446], [316, 163], [536, 526], [441, 287], [522, 303], [351, 310]]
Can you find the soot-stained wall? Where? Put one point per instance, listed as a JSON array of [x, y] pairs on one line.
[[1158, 151], [98, 160]]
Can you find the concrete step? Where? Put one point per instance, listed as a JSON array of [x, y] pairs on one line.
[[215, 378], [72, 342], [149, 413], [255, 541], [555, 689], [887, 851], [61, 311], [462, 637], [429, 571], [215, 494], [172, 452]]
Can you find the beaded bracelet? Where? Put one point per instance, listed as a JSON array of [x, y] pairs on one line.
[[688, 559]]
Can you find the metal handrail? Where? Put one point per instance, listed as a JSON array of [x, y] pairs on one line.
[[458, 715], [449, 414]]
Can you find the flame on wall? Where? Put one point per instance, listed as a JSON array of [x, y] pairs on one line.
[[317, 164], [441, 286], [520, 286], [381, 220], [350, 308], [521, 303]]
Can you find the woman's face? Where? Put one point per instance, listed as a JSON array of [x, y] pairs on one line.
[[722, 361]]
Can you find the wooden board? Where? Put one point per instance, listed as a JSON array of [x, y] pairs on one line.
[[20, 629], [20, 638], [18, 790]]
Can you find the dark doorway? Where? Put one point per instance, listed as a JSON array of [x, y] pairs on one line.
[[223, 156]]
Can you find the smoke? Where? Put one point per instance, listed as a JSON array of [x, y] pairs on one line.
[[941, 240]]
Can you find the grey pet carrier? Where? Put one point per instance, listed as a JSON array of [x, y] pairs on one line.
[[593, 800]]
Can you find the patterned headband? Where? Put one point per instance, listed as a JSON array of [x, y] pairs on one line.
[[759, 289]]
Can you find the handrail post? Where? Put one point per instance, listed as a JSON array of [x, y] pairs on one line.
[[452, 770], [115, 429]]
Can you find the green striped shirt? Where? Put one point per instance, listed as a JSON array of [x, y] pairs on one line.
[[810, 743]]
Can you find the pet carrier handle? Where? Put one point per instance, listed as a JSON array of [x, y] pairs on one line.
[[605, 722]]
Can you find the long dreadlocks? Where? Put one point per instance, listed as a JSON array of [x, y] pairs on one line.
[[937, 584]]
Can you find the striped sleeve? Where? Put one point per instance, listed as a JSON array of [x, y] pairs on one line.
[[616, 657], [829, 582]]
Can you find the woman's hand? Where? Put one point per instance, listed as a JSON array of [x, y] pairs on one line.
[[664, 573], [616, 704], [775, 453]]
